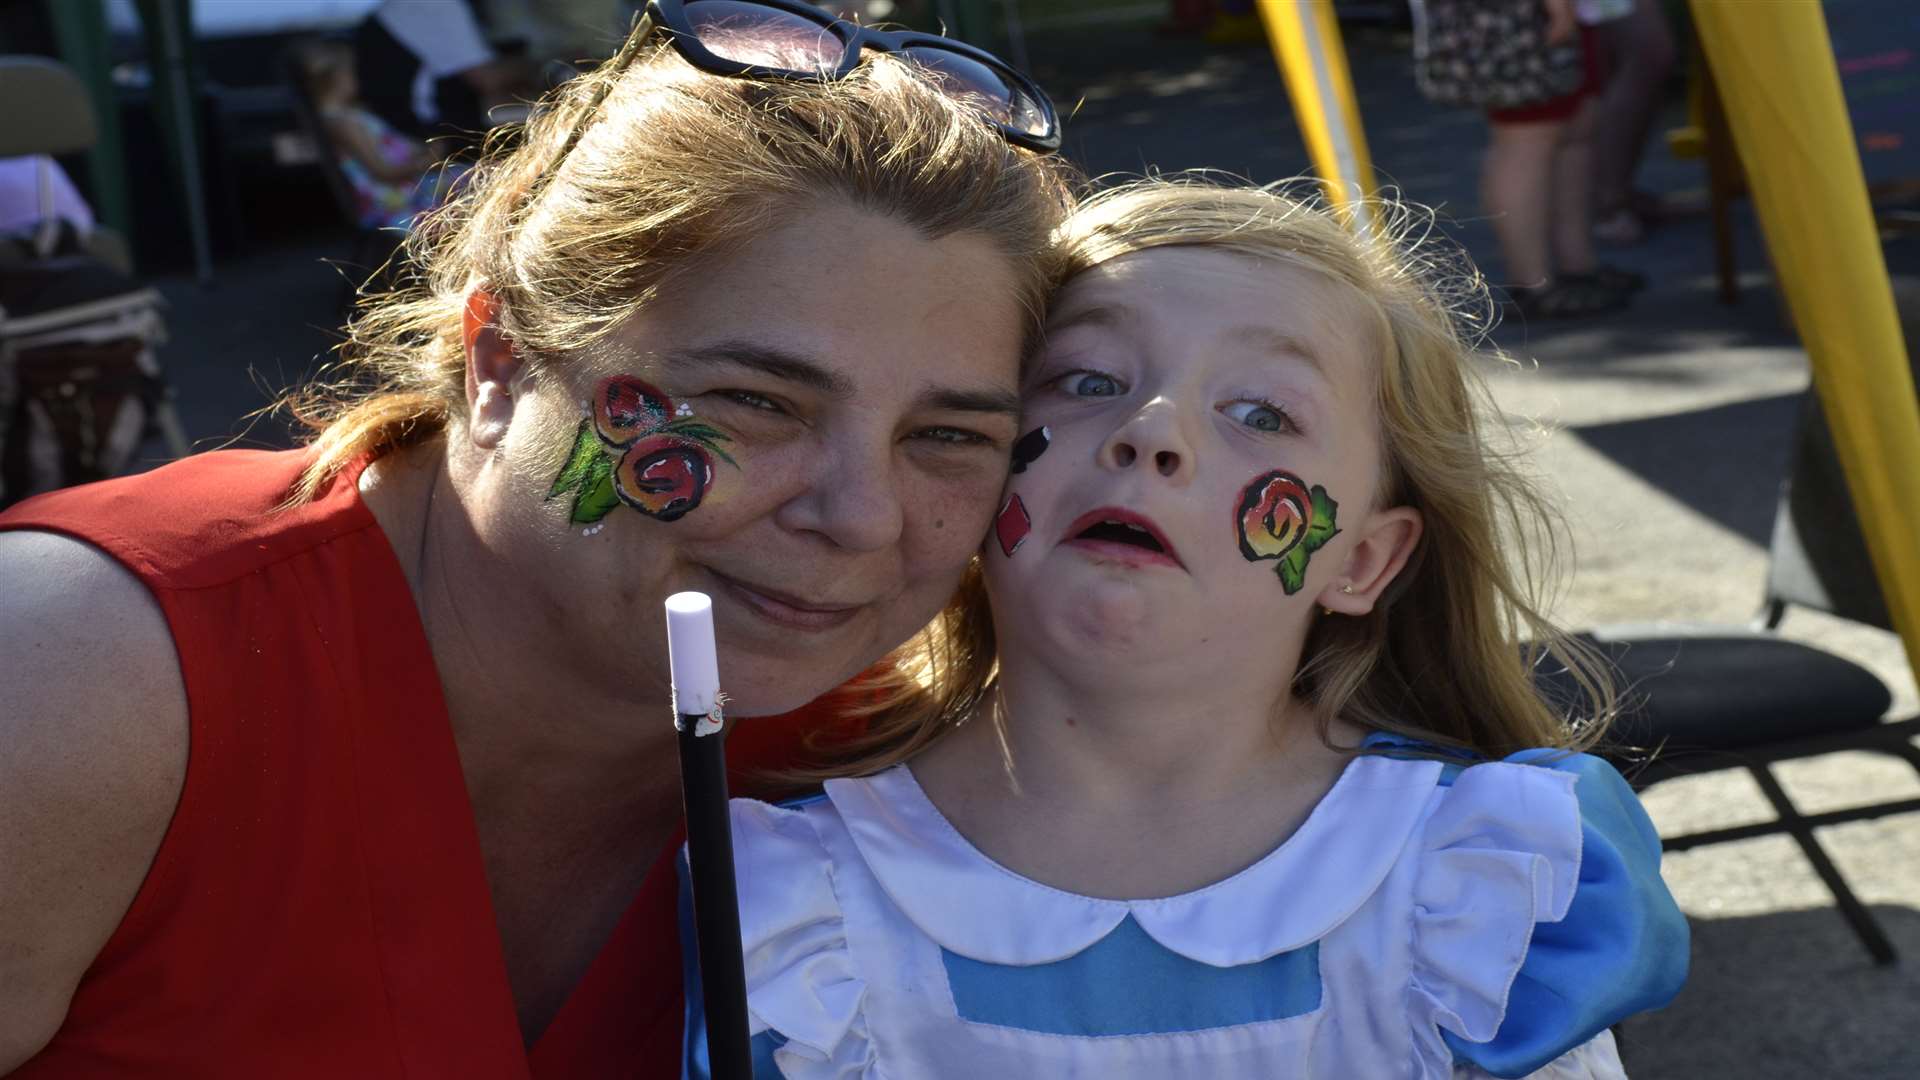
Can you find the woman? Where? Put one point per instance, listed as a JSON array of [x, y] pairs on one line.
[[372, 765]]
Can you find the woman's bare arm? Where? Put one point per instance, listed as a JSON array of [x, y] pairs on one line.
[[93, 752]]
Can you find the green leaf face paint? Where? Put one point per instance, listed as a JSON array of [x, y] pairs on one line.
[[637, 449], [1279, 517]]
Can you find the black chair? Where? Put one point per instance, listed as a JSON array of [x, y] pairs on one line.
[[1702, 699]]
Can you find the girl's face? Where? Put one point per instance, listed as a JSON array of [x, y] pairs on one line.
[[1199, 472]]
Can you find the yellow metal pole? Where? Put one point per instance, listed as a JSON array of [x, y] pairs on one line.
[[1775, 70], [1306, 45]]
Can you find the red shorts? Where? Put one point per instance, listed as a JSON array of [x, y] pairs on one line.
[[1563, 107]]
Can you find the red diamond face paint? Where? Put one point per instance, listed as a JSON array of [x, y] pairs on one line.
[[636, 448], [1279, 517], [1029, 448], [1012, 526]]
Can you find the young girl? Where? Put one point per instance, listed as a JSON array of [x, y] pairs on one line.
[[395, 178], [1261, 785]]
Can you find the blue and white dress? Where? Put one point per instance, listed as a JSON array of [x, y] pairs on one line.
[[1427, 921]]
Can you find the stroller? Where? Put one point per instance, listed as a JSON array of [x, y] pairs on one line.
[[80, 383], [80, 386]]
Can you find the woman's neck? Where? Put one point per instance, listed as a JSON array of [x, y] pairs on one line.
[[498, 672], [1073, 779]]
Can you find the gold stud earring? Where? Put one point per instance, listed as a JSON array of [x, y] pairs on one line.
[[1347, 588]]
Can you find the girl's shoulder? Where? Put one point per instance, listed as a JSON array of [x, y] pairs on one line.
[[1561, 837]]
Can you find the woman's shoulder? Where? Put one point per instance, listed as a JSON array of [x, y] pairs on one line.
[[200, 521], [1540, 917], [94, 719]]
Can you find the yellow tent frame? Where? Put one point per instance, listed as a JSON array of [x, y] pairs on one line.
[[1775, 68]]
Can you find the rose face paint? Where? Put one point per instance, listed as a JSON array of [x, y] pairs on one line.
[[1012, 526], [625, 408], [1029, 448], [1279, 517], [636, 448], [663, 476]]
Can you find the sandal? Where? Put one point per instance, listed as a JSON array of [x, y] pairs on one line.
[[1565, 298], [1618, 279]]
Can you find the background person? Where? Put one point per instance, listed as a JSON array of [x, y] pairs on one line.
[[393, 176], [1638, 52], [1534, 71]]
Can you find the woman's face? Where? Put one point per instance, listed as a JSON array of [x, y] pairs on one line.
[[1207, 474], [812, 429]]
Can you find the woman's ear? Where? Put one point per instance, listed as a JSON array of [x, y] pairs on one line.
[[1384, 546], [492, 366]]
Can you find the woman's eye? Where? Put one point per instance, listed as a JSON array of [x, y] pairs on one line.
[[1089, 384], [1260, 415], [751, 400], [953, 436]]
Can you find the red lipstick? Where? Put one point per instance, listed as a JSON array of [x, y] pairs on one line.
[[1123, 536]]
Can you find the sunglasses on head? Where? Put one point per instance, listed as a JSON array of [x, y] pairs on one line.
[[790, 39]]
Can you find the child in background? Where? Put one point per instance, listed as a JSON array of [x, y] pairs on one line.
[[394, 177], [1229, 763]]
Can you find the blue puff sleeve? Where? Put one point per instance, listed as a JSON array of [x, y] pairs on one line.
[[1621, 948]]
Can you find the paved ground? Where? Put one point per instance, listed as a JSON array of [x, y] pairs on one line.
[[1671, 430]]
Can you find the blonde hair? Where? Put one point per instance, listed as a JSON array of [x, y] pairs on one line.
[[630, 173], [1447, 655], [320, 62]]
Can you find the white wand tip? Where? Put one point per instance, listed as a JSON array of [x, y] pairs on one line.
[[690, 653]]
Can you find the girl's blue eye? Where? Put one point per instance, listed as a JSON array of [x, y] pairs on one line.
[[1092, 384], [1259, 415]]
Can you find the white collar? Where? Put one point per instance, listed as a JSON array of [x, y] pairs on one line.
[[973, 906]]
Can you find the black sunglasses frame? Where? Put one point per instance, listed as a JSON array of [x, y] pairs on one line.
[[671, 16]]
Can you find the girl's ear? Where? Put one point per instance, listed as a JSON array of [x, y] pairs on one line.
[[1382, 550], [492, 366]]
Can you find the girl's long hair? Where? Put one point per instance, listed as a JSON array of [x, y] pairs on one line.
[[1448, 654]]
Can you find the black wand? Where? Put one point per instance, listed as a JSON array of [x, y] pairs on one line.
[[703, 784]]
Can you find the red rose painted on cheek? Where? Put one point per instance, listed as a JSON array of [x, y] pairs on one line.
[[1279, 517], [663, 477], [665, 461], [1273, 516], [625, 408]]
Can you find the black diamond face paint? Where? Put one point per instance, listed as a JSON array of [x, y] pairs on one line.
[[1029, 448]]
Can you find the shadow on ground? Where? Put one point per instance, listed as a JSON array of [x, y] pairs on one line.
[[1742, 1018], [1723, 462]]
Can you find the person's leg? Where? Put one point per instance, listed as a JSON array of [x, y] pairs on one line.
[[1571, 193], [1515, 191], [1639, 55]]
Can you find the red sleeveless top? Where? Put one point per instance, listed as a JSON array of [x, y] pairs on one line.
[[318, 906]]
